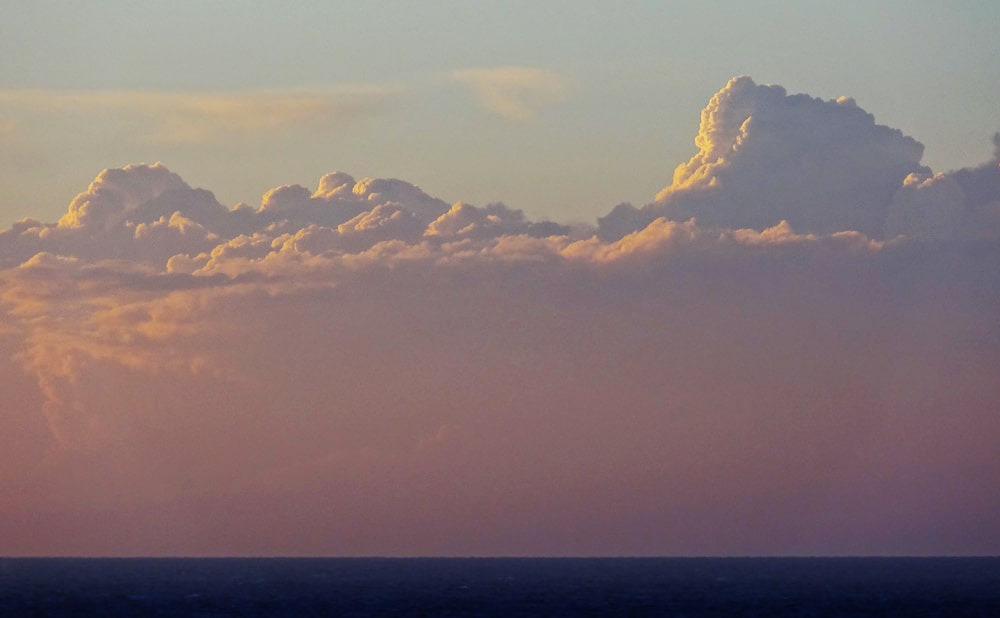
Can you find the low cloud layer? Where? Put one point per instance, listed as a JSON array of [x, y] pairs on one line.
[[792, 349]]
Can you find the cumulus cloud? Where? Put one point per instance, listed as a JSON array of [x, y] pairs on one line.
[[118, 193], [963, 204], [766, 156], [465, 220], [361, 368], [512, 92]]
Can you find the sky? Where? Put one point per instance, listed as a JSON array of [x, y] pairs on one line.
[[499, 279], [561, 109]]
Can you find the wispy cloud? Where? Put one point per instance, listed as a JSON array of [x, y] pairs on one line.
[[192, 117], [514, 92]]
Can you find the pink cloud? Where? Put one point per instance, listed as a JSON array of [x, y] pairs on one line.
[[362, 369]]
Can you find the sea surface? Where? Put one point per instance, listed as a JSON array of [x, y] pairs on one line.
[[899, 587]]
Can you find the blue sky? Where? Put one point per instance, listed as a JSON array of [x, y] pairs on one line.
[[610, 94]]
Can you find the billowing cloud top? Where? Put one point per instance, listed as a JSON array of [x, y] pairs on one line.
[[823, 166], [792, 349]]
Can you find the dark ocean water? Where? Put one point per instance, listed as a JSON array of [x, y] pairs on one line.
[[952, 587]]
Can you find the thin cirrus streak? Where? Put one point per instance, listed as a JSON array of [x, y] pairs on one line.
[[180, 117], [514, 93], [792, 350]]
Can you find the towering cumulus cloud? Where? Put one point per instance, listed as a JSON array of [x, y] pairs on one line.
[[792, 349], [765, 156]]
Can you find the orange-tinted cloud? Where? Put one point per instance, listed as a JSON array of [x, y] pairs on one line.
[[513, 92], [179, 117], [364, 369]]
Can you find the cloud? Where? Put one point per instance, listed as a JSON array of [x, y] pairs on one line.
[[181, 117], [467, 221], [766, 156], [362, 369], [117, 194], [147, 213], [964, 204], [512, 92]]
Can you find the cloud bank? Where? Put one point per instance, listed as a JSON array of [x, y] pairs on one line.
[[791, 350]]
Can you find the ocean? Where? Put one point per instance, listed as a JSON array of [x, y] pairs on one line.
[[899, 587]]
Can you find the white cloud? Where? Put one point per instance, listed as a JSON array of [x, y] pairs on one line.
[[766, 156]]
